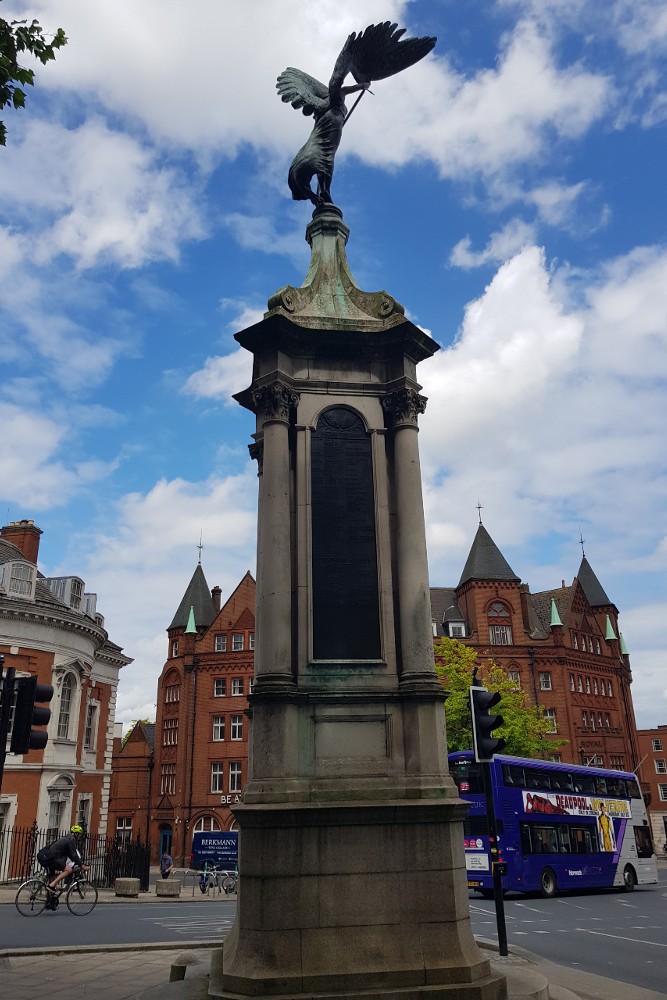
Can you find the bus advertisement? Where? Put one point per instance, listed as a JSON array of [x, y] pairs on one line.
[[560, 827]]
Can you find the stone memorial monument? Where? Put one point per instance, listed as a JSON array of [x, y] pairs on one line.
[[352, 870]]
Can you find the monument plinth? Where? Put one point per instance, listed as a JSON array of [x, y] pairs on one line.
[[352, 869]]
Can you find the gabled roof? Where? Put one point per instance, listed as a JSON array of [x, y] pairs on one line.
[[197, 596], [485, 561], [591, 586], [239, 609], [444, 607]]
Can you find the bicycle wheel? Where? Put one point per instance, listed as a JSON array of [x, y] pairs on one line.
[[81, 897], [32, 897], [229, 884]]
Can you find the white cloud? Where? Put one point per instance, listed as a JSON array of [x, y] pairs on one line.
[[221, 376], [141, 565], [500, 116], [501, 245], [538, 404], [32, 473], [97, 196]]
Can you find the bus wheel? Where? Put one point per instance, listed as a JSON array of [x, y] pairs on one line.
[[629, 878], [486, 893], [548, 883]]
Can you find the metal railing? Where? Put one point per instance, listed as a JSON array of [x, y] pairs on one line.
[[108, 857]]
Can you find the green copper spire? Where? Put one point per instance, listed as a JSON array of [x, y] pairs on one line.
[[555, 617], [191, 628], [624, 649], [610, 634]]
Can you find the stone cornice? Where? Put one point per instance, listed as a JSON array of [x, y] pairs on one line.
[[66, 622]]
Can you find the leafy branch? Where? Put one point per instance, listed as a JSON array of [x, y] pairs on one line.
[[17, 37]]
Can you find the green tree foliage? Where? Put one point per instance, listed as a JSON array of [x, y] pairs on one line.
[[17, 37], [524, 728]]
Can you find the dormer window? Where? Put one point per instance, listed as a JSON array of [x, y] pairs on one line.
[[457, 630], [500, 624], [18, 579]]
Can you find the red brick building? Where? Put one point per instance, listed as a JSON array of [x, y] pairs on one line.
[[653, 776], [50, 628], [198, 764], [132, 783], [562, 646]]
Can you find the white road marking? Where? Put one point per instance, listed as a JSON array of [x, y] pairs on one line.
[[620, 937]]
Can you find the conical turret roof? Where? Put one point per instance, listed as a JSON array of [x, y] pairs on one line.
[[591, 586], [485, 561], [198, 597]]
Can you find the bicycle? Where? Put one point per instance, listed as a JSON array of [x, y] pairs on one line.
[[33, 895], [229, 882]]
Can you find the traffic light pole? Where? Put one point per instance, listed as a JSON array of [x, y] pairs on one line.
[[7, 680], [497, 865]]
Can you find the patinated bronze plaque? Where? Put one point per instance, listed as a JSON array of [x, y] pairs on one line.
[[346, 621]]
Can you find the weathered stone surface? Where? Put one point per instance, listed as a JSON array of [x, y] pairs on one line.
[[127, 886], [352, 867], [170, 887]]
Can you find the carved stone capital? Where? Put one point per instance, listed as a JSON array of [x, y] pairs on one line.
[[256, 450], [403, 406], [274, 401]]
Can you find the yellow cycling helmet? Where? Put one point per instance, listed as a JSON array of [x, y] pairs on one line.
[[76, 828]]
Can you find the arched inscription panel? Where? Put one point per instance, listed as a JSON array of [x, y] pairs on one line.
[[346, 618]]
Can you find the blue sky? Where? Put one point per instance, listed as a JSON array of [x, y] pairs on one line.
[[509, 191]]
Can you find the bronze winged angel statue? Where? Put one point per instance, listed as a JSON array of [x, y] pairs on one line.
[[373, 54]]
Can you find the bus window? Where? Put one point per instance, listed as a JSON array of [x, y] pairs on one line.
[[514, 776], [468, 776], [567, 782], [584, 840], [544, 840], [616, 786], [633, 790], [584, 784], [643, 842], [600, 786], [564, 839], [526, 846]]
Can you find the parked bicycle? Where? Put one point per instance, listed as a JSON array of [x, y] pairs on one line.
[[230, 882], [217, 878], [35, 895]]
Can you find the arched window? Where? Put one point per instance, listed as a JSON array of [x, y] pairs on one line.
[[66, 694], [500, 624], [205, 824]]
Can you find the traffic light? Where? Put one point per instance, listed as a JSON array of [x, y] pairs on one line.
[[483, 724], [29, 713]]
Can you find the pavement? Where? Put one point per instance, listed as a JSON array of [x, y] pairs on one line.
[[117, 972]]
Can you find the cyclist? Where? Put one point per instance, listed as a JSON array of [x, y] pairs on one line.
[[60, 857]]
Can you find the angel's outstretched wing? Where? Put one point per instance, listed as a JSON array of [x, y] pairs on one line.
[[380, 51], [302, 91]]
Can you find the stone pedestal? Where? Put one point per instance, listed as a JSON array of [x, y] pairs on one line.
[[126, 887], [369, 897], [168, 887], [352, 873]]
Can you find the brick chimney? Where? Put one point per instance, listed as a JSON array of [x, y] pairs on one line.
[[216, 595], [25, 536]]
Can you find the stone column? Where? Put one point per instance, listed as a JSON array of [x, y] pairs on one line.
[[417, 670], [273, 652]]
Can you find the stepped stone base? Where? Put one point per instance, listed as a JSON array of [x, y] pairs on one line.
[[352, 900]]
